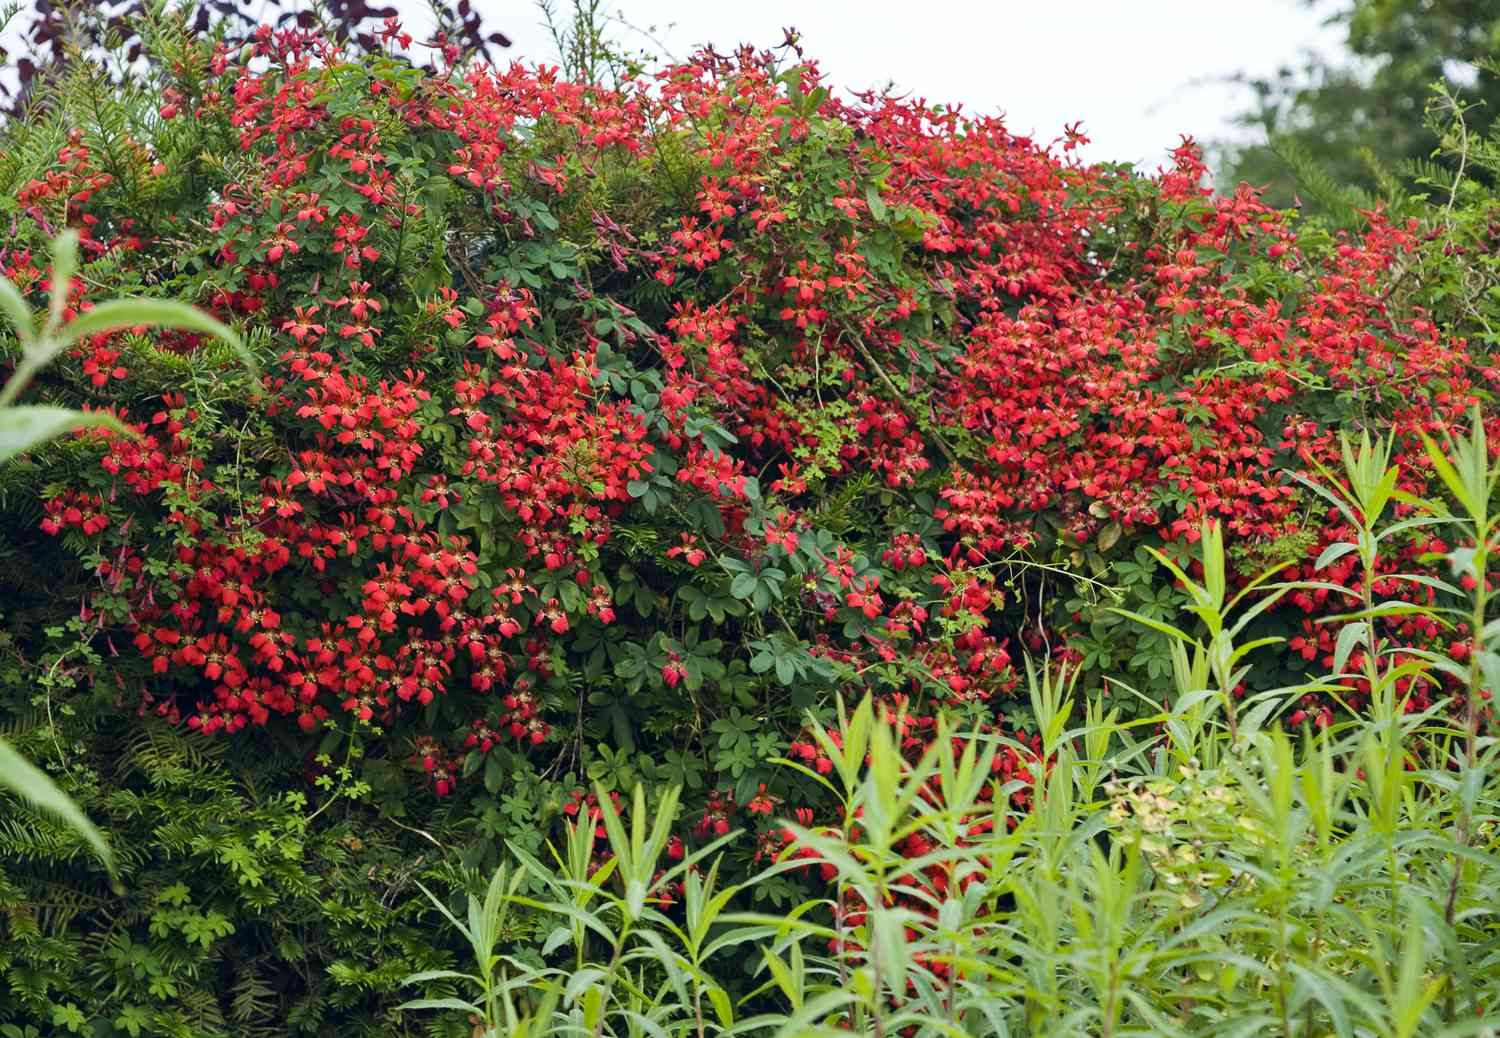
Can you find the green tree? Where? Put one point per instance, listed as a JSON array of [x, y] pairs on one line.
[[1336, 132]]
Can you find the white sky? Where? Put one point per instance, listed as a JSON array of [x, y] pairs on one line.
[[1133, 71]]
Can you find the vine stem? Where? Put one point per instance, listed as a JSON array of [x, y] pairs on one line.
[[900, 399]]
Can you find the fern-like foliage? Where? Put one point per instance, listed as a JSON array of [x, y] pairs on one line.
[[164, 755], [1342, 202]]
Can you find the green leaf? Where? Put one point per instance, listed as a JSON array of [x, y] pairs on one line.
[[426, 975], [154, 313], [22, 428], [16, 310], [1109, 536], [1491, 630], [69, 1016], [1155, 625], [1455, 483], [1462, 562], [720, 998], [439, 1003], [744, 585], [1489, 666], [132, 1020], [1333, 553], [31, 784], [1350, 636], [64, 263], [786, 670]]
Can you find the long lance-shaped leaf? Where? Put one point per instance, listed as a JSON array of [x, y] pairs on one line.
[[24, 428], [30, 783], [153, 313], [18, 313], [64, 264], [1156, 625]]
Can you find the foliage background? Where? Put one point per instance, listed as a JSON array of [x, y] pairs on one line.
[[707, 402]]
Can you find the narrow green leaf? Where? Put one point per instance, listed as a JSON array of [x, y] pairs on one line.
[[64, 264], [1333, 553], [426, 975], [1155, 625], [23, 428], [30, 783], [1449, 475], [153, 313], [1349, 638], [440, 1003], [17, 312]]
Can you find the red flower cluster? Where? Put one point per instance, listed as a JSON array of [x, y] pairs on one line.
[[705, 394]]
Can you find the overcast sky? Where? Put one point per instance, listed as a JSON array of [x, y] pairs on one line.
[[1137, 73]]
